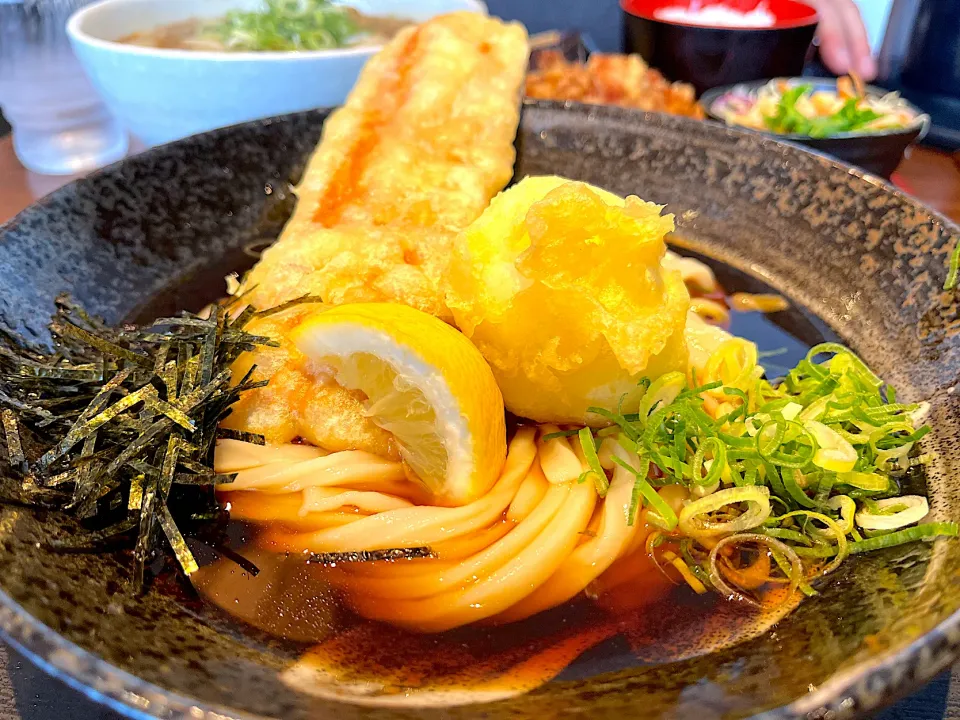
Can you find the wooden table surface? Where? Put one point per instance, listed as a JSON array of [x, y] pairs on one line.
[[15, 191], [26, 693]]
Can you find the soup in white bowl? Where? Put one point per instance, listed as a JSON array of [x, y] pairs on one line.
[[162, 94], [278, 25]]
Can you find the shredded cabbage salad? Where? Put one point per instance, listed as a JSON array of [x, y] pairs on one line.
[[786, 107]]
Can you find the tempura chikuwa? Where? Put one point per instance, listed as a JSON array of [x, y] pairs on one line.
[[423, 143]]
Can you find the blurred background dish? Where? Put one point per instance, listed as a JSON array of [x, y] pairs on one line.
[[817, 109], [720, 49], [607, 79], [277, 25], [162, 94], [920, 57], [875, 145], [563, 68]]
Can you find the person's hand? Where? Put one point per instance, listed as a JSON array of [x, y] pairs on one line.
[[844, 46]]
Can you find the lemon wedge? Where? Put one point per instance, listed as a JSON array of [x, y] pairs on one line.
[[425, 383]]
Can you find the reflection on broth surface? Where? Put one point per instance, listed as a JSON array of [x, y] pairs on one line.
[[635, 613], [640, 617]]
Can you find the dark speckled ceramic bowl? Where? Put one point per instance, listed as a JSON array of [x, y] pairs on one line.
[[160, 229]]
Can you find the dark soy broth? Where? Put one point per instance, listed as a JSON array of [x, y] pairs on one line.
[[646, 619]]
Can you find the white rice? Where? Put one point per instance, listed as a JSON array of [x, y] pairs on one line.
[[717, 16]]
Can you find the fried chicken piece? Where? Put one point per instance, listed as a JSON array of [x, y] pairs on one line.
[[611, 80]]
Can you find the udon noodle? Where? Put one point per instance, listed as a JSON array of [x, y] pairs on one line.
[[537, 539]]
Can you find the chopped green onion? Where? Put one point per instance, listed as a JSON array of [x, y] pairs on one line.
[[619, 420], [841, 351], [954, 272], [842, 548], [593, 461], [636, 495], [693, 521], [285, 25], [768, 442], [560, 434], [833, 452], [716, 467], [661, 393], [901, 537], [793, 488], [864, 481], [847, 509], [787, 534], [644, 488], [893, 513], [820, 446]]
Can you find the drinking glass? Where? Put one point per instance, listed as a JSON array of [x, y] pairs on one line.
[[60, 126]]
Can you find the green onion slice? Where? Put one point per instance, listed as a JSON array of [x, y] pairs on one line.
[[833, 452], [865, 481], [842, 547], [719, 451], [908, 535], [593, 461], [692, 520], [643, 488], [775, 546], [661, 393], [915, 508]]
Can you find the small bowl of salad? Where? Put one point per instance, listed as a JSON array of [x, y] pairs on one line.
[[856, 123], [172, 68]]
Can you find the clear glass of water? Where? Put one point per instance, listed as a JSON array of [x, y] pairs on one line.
[[60, 126]]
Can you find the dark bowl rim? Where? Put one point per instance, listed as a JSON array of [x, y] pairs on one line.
[[136, 698], [813, 19], [920, 125]]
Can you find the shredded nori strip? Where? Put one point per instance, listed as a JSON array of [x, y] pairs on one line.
[[135, 498], [206, 479], [117, 426], [177, 542], [193, 466], [11, 428], [237, 558], [68, 329], [302, 300], [393, 554], [91, 540], [230, 434]]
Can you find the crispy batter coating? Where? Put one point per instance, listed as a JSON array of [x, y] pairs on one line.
[[301, 399], [423, 143], [611, 80], [562, 288]]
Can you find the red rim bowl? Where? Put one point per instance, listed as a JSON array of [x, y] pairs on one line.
[[708, 56], [788, 13]]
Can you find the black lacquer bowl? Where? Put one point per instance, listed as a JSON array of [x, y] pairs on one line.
[[158, 231], [706, 56]]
